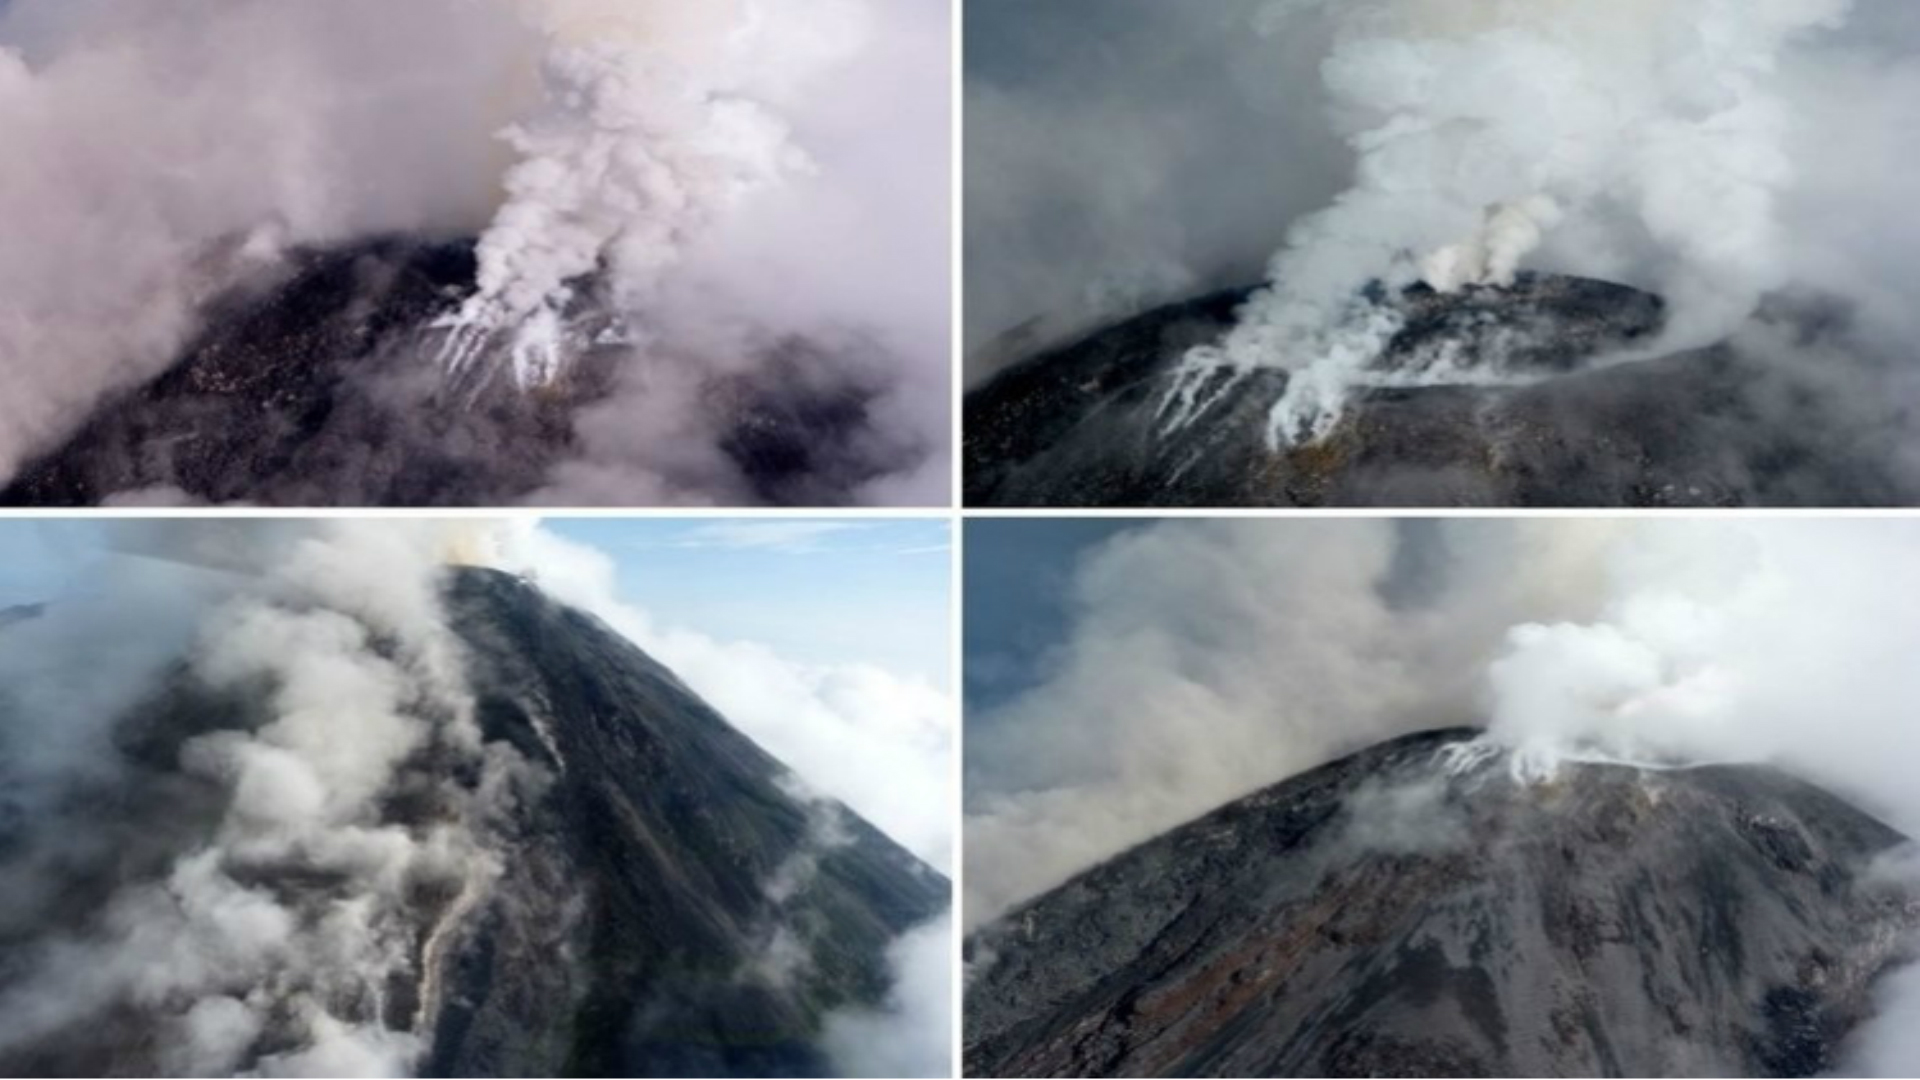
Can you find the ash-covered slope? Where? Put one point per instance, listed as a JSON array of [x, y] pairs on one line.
[[1408, 912], [664, 899], [1085, 425], [322, 385]]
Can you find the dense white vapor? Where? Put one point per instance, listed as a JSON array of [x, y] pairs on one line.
[[341, 627], [180, 149], [912, 1036], [1481, 126], [1211, 659], [645, 138]]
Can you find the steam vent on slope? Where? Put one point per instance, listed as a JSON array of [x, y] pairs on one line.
[[1490, 396], [324, 385], [584, 870], [1414, 910]]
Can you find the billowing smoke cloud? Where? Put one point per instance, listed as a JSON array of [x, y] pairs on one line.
[[1481, 126], [276, 939], [1210, 659], [686, 164], [913, 1035]]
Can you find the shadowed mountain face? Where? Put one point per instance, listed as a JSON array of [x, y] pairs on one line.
[[1084, 425], [323, 386], [1412, 910], [664, 828], [667, 902]]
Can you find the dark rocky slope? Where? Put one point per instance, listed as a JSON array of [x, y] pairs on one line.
[[666, 827], [638, 901], [321, 385], [1388, 915], [1082, 425]]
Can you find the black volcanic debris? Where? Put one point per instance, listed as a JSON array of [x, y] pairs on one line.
[[1414, 910], [651, 859], [311, 391], [1085, 425], [322, 384]]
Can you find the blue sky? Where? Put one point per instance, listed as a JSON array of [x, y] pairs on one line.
[[817, 592], [1019, 573], [42, 559]]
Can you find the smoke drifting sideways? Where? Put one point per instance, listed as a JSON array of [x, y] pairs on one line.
[[1715, 152], [694, 160], [340, 624], [1208, 660]]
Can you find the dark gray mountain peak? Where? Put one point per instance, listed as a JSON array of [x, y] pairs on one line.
[[1415, 909]]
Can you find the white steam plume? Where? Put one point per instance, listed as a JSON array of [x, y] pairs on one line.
[[1482, 127], [646, 136]]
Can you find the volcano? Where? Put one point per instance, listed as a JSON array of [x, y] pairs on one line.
[[321, 384], [1416, 910], [1552, 424], [668, 901]]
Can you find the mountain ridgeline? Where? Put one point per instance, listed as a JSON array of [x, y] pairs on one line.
[[1086, 424], [666, 899], [1414, 910]]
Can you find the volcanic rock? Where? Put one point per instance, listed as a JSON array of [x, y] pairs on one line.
[[323, 385], [1416, 910], [1087, 425]]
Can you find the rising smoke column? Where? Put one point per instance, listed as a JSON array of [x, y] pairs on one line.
[[1613, 131], [647, 135]]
